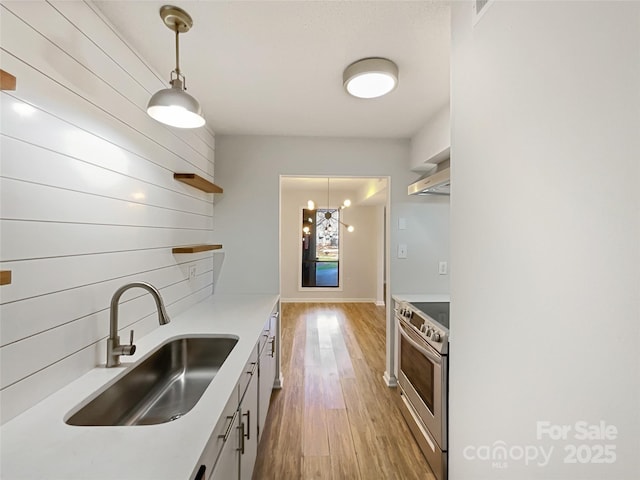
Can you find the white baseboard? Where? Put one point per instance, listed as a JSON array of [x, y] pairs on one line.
[[390, 380], [380, 303], [328, 300]]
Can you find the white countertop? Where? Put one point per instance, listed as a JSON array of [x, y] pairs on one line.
[[39, 445], [421, 297]]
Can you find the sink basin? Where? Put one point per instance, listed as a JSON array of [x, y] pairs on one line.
[[161, 388]]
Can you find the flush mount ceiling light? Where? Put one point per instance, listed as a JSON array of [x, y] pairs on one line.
[[174, 106], [370, 77]]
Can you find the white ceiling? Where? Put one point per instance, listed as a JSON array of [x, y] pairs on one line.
[[275, 67]]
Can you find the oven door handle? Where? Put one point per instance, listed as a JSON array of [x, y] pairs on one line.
[[434, 358]]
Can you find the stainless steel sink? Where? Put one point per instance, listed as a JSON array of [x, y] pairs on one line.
[[161, 388]]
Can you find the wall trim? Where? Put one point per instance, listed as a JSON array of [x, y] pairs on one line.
[[390, 380], [328, 300]]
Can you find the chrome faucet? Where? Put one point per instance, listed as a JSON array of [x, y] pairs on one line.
[[114, 349]]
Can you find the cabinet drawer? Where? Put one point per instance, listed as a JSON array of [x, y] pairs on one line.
[[269, 328], [264, 336], [211, 452], [228, 466], [250, 371]]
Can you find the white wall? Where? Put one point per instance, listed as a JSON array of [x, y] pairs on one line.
[[545, 233], [431, 143], [359, 249], [249, 168], [88, 198]]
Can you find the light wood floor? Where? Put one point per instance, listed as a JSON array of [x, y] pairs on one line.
[[335, 418]]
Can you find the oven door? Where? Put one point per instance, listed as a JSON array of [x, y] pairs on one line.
[[423, 376]]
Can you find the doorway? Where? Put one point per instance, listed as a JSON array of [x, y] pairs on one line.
[[335, 250]]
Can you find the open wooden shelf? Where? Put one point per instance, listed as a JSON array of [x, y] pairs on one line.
[[5, 277], [198, 182], [7, 81], [196, 248]]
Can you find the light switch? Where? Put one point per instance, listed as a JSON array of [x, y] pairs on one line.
[[402, 223], [402, 250]]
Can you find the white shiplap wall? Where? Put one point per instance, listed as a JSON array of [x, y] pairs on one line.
[[88, 200]]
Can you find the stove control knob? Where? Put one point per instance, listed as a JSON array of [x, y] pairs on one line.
[[435, 336]]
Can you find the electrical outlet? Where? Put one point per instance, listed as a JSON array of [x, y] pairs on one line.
[[192, 273], [442, 268]]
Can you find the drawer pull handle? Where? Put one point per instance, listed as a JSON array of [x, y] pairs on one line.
[[201, 471], [228, 430], [248, 415], [241, 428]]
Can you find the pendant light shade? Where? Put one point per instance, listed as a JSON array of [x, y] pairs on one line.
[[370, 77], [174, 106]]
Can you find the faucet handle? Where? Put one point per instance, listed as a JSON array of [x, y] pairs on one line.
[[128, 349]]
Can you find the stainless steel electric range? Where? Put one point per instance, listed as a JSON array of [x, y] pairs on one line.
[[423, 376]]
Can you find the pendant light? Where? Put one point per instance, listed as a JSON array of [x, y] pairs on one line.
[[174, 106], [345, 204], [329, 215]]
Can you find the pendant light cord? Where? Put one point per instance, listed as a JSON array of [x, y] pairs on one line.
[[328, 204]]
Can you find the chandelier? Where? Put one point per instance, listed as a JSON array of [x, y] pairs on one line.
[[328, 215]]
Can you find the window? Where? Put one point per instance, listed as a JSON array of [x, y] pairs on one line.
[[320, 248]]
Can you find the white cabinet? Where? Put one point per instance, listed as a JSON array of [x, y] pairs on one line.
[[224, 439], [227, 466], [232, 448], [240, 437], [249, 422], [267, 369]]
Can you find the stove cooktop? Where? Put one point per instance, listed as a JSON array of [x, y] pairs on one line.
[[437, 311]]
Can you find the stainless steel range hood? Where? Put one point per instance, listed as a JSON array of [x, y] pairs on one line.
[[438, 183]]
